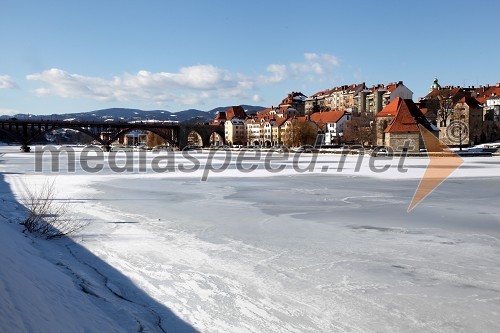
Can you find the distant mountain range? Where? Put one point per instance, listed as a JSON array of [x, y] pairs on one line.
[[124, 114]]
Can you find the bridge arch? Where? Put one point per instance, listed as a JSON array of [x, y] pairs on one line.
[[195, 139], [204, 131], [11, 136], [217, 140], [156, 131], [76, 128]]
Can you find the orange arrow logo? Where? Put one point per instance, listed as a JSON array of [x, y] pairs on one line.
[[442, 162]]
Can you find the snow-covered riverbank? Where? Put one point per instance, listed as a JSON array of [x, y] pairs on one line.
[[311, 252]]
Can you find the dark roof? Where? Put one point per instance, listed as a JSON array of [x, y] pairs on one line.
[[408, 117], [289, 99], [455, 93], [235, 112], [221, 115], [471, 102]]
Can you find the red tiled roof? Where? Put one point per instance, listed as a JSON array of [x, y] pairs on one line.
[[424, 110], [391, 109], [321, 118], [345, 88], [471, 102], [407, 117], [454, 93], [282, 109], [486, 92], [354, 87], [377, 87], [235, 111], [322, 93], [391, 87], [280, 121], [264, 113], [221, 115], [289, 98]]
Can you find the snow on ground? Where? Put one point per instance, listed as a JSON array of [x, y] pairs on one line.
[[36, 296], [321, 251]]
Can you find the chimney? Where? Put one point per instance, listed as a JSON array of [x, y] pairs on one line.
[[497, 85]]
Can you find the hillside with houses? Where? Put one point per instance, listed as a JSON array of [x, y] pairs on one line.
[[380, 115]]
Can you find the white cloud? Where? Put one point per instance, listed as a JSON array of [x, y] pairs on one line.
[[277, 74], [256, 98], [6, 82], [318, 64], [190, 84], [324, 58], [315, 65]]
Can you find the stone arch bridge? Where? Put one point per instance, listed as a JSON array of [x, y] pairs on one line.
[[27, 132]]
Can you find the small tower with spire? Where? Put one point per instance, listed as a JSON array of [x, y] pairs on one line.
[[435, 85]]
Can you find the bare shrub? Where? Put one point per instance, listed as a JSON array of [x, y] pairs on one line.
[[46, 216]]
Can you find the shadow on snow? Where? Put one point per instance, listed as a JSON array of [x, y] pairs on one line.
[[112, 292]]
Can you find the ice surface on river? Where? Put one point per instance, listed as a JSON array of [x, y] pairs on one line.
[[311, 252]]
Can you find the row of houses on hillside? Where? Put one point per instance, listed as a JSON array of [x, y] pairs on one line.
[[285, 124], [459, 116], [464, 115], [326, 111], [396, 126], [357, 98]]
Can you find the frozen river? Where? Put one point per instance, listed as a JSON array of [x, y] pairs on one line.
[[290, 252]]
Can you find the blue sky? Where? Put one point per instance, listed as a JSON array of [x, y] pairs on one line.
[[72, 56]]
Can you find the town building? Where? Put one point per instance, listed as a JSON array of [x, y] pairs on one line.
[[491, 124], [489, 97], [492, 109], [317, 102], [253, 131], [298, 131], [295, 100], [397, 126], [343, 98], [444, 105], [462, 124], [234, 130], [288, 113], [373, 100], [232, 112], [135, 138], [234, 127], [331, 124], [440, 98]]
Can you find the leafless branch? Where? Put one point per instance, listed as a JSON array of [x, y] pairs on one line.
[[47, 217]]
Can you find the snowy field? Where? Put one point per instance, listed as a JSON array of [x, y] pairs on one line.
[[314, 251]]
